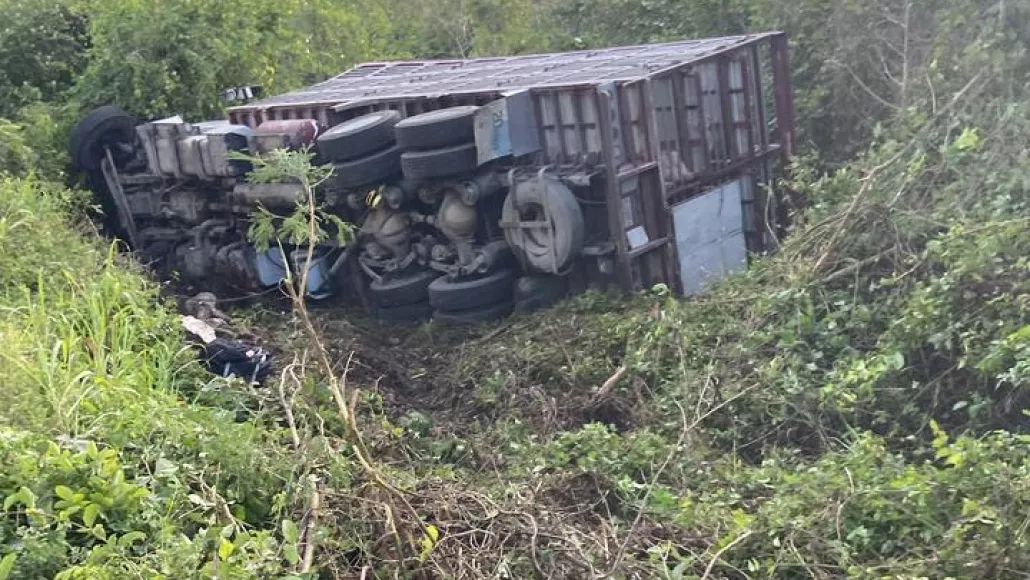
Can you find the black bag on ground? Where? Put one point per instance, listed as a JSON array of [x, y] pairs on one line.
[[228, 358]]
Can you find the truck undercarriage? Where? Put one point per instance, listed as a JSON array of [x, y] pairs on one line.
[[469, 204]]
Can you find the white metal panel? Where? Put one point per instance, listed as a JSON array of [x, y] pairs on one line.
[[710, 240]]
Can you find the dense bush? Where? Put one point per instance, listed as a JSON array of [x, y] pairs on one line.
[[107, 469], [42, 51], [853, 406], [15, 154]]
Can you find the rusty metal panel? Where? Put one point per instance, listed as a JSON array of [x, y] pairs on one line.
[[738, 108], [611, 143], [397, 81], [550, 132], [611, 127], [635, 118], [666, 127], [569, 126], [712, 115], [697, 131], [590, 124], [759, 97], [575, 149]]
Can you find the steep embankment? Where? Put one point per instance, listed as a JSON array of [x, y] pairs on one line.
[[853, 406], [110, 470]]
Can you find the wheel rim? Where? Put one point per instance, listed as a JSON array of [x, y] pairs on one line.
[[540, 238]]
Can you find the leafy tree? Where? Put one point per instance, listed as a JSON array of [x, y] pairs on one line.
[[42, 51], [180, 62], [612, 22]]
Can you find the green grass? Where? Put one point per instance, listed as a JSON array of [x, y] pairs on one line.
[[92, 357]]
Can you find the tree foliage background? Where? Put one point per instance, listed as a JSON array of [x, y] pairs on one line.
[[855, 63], [853, 406]]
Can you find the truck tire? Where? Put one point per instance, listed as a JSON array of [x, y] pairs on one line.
[[406, 315], [473, 316], [404, 290], [545, 251], [358, 137], [102, 127], [447, 162], [374, 169], [454, 296], [437, 129]]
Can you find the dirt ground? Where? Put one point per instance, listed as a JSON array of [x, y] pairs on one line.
[[561, 523]]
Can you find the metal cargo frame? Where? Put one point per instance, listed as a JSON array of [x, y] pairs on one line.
[[638, 129]]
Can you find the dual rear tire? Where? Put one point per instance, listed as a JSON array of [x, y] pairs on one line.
[[473, 301], [380, 146], [424, 294], [438, 144], [403, 299], [363, 150]]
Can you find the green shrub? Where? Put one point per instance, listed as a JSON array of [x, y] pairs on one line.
[[15, 155], [120, 476]]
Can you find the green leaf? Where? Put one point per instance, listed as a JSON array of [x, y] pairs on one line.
[[290, 532], [895, 361], [291, 554], [99, 532], [6, 565], [26, 497], [129, 538], [429, 542], [225, 549], [165, 468], [969, 139], [89, 515], [64, 492]]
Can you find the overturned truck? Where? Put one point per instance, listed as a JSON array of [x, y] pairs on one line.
[[476, 186]]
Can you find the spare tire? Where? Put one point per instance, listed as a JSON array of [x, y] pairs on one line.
[[448, 295], [403, 290], [447, 162], [546, 249], [103, 127], [358, 137], [437, 129], [374, 169], [474, 316]]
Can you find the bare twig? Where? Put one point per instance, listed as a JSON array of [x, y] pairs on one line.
[[533, 548], [337, 385], [609, 385], [867, 180], [723, 550], [309, 530], [287, 405], [684, 432], [866, 88], [856, 266]]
